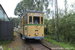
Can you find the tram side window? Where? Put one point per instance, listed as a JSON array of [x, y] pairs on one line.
[[30, 19], [26, 19], [36, 20], [41, 20]]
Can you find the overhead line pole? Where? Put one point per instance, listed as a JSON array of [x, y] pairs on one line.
[[56, 22]]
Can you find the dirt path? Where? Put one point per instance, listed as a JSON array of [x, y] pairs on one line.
[[18, 43]]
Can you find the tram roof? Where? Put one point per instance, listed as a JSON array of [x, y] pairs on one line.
[[33, 12]]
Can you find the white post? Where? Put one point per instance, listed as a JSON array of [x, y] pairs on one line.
[[1, 48]]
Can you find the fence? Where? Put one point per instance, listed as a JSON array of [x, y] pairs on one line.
[[6, 30]]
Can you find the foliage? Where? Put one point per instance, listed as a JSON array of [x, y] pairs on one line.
[[66, 6], [4, 44], [61, 44], [15, 21], [51, 27], [66, 27], [46, 28]]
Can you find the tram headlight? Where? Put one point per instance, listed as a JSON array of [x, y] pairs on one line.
[[36, 33]]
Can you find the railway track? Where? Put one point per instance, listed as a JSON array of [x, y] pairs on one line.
[[39, 46]]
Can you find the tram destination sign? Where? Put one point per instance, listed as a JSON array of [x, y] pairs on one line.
[[35, 14]]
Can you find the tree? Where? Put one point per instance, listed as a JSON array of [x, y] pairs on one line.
[[15, 21], [73, 8], [39, 5], [23, 6], [60, 13], [65, 4]]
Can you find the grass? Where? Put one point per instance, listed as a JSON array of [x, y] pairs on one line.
[[14, 34], [61, 44], [4, 44]]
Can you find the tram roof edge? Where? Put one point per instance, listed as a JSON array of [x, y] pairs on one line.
[[32, 12], [35, 12]]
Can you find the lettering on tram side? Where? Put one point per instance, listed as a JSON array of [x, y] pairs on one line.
[[36, 14]]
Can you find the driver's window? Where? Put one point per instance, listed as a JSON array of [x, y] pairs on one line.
[[30, 19], [41, 20], [36, 20]]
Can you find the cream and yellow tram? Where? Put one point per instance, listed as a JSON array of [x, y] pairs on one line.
[[32, 25]]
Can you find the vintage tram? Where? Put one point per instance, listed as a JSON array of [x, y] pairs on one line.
[[32, 25]]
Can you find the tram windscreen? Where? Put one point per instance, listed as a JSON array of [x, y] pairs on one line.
[[41, 20], [30, 19], [36, 20]]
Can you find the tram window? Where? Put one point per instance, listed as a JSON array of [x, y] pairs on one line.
[[36, 20], [41, 20], [26, 19], [30, 19]]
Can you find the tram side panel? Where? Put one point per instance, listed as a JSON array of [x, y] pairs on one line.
[[24, 30], [21, 30]]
